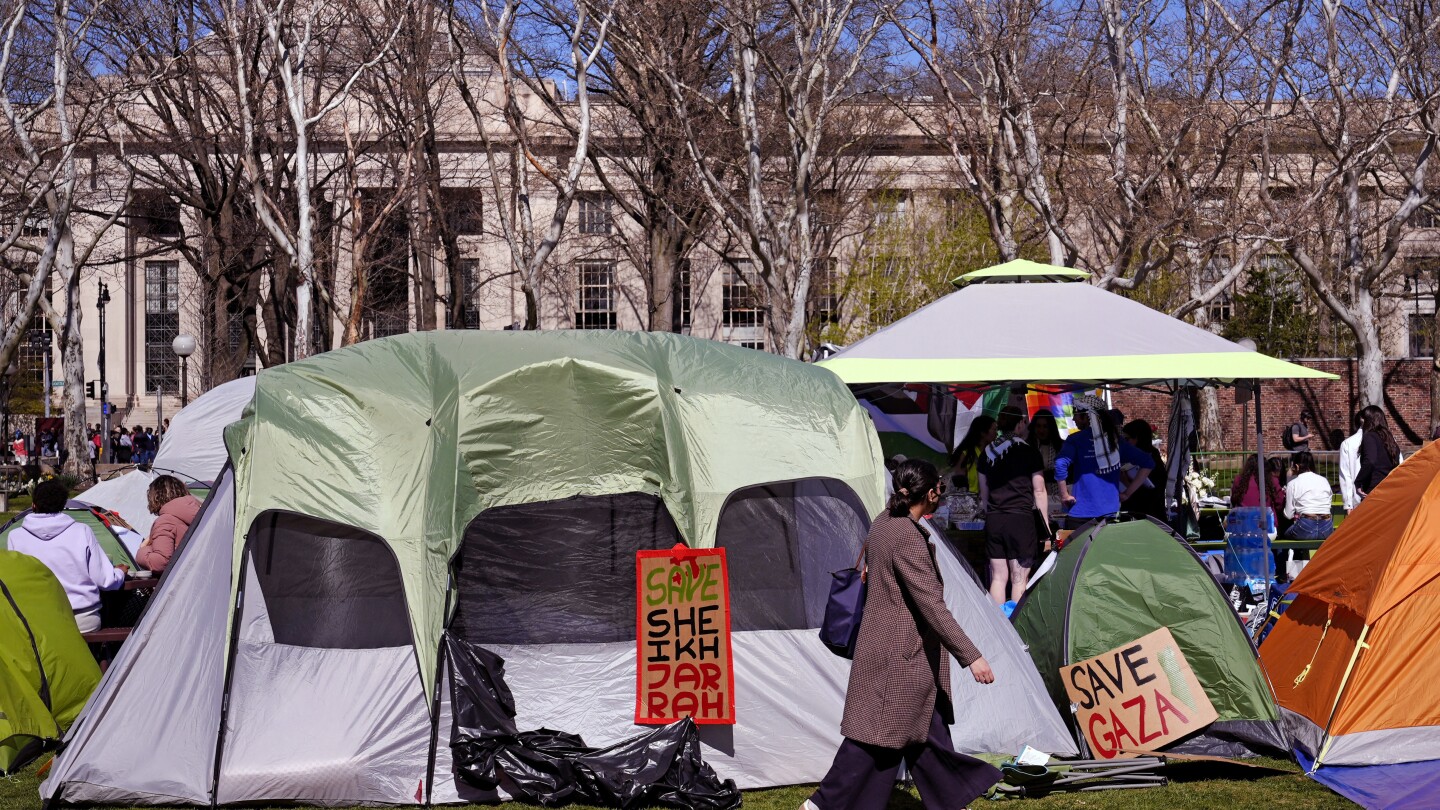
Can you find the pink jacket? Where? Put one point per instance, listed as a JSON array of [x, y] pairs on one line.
[[169, 529]]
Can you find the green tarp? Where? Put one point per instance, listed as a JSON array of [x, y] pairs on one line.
[[46, 670], [1120, 581]]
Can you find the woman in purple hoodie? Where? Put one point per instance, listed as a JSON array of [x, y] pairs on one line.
[[71, 552]]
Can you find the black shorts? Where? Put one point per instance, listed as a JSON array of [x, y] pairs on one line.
[[1012, 537]]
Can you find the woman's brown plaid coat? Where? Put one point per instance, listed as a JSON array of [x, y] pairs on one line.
[[901, 653]]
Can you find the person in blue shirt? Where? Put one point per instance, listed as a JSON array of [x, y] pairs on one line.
[[1088, 468]]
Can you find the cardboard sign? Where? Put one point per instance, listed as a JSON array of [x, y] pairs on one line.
[[683, 664], [1137, 697]]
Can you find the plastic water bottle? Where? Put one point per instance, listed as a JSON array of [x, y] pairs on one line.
[[1247, 554]]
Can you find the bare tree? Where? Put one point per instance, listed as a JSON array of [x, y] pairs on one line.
[[56, 111], [792, 66], [286, 48], [523, 121], [1348, 147]]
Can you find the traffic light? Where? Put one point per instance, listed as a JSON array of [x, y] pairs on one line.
[[92, 390]]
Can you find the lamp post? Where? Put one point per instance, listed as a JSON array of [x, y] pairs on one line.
[[184, 346], [104, 452], [6, 380]]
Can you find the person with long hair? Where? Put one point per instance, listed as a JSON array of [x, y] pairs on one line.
[[1378, 451], [1245, 489], [1093, 456], [175, 508], [1149, 499], [967, 453], [1012, 487], [898, 706], [1045, 437]]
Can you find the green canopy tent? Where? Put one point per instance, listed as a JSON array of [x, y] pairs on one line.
[[1116, 582], [1018, 322], [46, 670], [1021, 322]]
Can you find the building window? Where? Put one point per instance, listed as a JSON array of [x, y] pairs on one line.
[[739, 303], [1222, 307], [468, 270], [391, 322], [594, 213], [889, 208], [162, 325], [464, 211], [1422, 335], [757, 345], [824, 292], [957, 208], [154, 215], [596, 307], [1426, 216], [37, 223], [687, 293]]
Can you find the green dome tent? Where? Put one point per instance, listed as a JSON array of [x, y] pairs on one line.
[[1116, 582], [46, 671], [100, 521]]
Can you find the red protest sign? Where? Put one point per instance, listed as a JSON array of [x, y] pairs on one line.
[[682, 637]]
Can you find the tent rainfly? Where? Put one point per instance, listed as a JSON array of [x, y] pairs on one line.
[[494, 487], [999, 329], [1353, 658], [46, 671], [193, 451]]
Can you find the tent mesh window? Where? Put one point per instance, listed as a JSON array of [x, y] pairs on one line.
[[328, 585], [556, 572], [781, 543]]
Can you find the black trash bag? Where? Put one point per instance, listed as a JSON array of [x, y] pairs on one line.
[[662, 767], [551, 768]]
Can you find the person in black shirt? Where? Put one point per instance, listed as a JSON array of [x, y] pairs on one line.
[[1147, 500], [1012, 488], [1378, 451], [1297, 435]]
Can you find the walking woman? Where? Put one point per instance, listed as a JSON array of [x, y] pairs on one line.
[[898, 705], [1378, 451]]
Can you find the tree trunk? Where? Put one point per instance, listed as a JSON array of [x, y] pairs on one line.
[[1211, 436], [77, 445], [1370, 358], [664, 315]]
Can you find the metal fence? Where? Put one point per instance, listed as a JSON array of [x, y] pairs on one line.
[[1224, 465]]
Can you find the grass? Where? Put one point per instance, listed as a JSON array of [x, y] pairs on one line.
[[1271, 784], [18, 504]]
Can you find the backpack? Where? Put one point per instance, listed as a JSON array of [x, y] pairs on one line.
[[1288, 438]]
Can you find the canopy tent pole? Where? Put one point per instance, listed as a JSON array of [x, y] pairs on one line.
[[1262, 485]]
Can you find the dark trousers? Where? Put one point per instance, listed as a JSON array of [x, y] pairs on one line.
[[863, 776]]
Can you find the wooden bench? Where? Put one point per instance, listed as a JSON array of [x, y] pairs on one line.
[[100, 642]]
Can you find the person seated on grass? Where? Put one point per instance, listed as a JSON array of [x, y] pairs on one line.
[[71, 552], [176, 509]]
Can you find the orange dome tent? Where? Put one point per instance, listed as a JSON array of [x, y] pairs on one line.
[[1354, 662]]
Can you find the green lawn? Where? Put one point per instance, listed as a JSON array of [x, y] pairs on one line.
[[1198, 785], [18, 504]]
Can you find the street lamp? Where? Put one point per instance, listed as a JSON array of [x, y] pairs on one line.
[[184, 346], [104, 452]]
